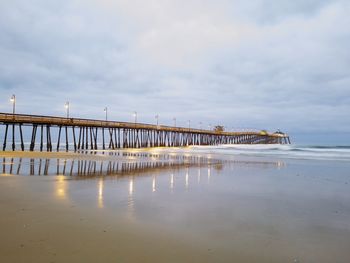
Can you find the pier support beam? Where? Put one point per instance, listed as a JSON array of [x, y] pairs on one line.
[[5, 138], [13, 137], [21, 134]]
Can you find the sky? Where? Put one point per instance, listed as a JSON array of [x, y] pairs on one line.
[[255, 64]]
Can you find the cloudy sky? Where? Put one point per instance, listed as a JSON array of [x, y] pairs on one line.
[[245, 64]]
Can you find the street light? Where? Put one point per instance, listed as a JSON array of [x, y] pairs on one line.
[[189, 124], [157, 118], [209, 126], [200, 125], [66, 105], [105, 110], [135, 116], [13, 100], [174, 119]]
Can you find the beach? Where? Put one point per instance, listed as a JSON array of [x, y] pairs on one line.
[[175, 131], [173, 205]]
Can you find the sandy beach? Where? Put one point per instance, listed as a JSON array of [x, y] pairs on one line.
[[199, 209]]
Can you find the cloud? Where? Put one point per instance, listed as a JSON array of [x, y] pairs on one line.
[[265, 64]]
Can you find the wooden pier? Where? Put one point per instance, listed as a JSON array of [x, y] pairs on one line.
[[84, 134]]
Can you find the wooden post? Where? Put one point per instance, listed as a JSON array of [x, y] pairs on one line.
[[48, 139], [103, 139], [137, 139], [59, 137], [32, 143], [5, 138], [115, 138], [82, 139], [74, 140], [95, 138], [111, 144], [13, 137], [67, 146], [79, 139], [124, 137], [21, 134], [118, 138], [42, 138], [87, 138], [91, 139]]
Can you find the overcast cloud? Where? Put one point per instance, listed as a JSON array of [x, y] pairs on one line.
[[257, 64]]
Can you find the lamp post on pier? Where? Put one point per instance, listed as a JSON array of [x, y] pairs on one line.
[[135, 116], [66, 105], [174, 119], [106, 110], [157, 118], [13, 100]]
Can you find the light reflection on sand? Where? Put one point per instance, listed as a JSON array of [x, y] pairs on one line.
[[172, 182], [100, 192], [154, 183], [199, 176], [209, 174], [131, 186], [131, 202], [61, 187]]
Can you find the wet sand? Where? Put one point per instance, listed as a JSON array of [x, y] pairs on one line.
[[36, 227], [199, 210]]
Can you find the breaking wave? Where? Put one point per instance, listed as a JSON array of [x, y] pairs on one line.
[[285, 151]]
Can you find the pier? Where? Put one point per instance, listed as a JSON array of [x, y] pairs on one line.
[[88, 134]]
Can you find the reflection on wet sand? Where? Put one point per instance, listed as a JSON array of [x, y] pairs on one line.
[[132, 163], [100, 193], [131, 202], [172, 181], [127, 165], [153, 183], [61, 188], [208, 175], [152, 165], [186, 178], [78, 167]]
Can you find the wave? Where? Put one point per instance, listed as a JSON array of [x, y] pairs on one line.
[[286, 151]]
